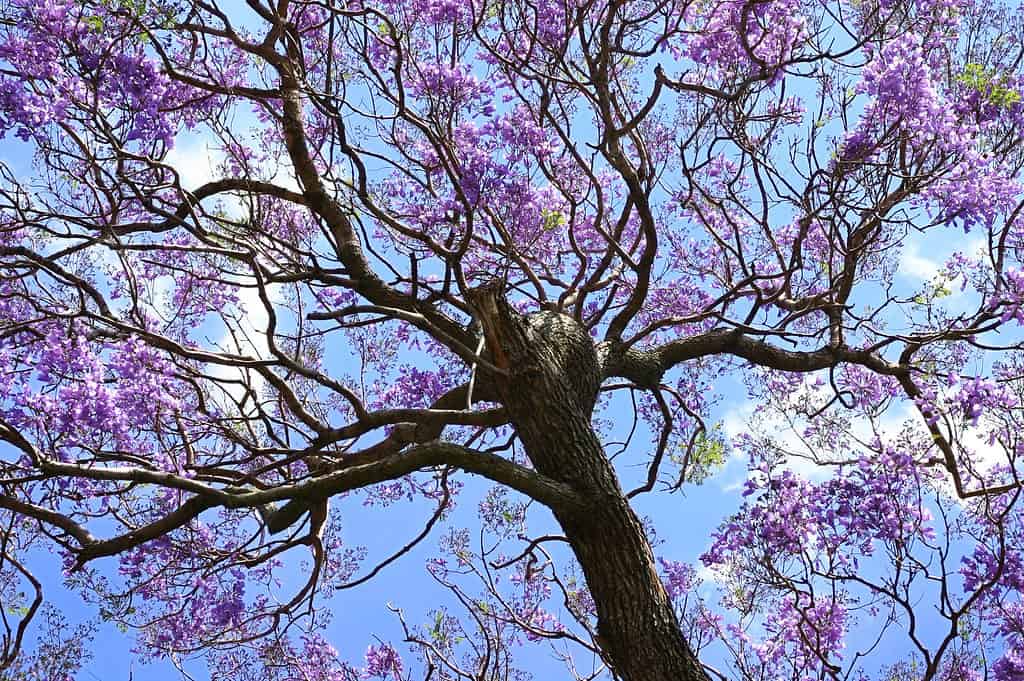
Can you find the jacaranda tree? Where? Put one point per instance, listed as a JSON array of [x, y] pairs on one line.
[[501, 256]]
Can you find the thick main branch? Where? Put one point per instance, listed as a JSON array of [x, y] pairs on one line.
[[646, 367]]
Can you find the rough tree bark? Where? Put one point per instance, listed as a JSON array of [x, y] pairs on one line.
[[551, 375]]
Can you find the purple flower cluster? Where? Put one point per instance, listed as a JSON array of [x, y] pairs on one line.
[[494, 164], [907, 97], [1010, 302], [679, 578], [528, 604], [868, 389], [428, 14], [414, 387], [455, 85], [318, 661], [985, 564], [804, 633], [976, 395], [1010, 667], [57, 48], [92, 395], [187, 615], [836, 521], [779, 523], [736, 38], [382, 662]]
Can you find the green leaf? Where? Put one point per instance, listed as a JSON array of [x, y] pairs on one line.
[[990, 84], [552, 219], [708, 454]]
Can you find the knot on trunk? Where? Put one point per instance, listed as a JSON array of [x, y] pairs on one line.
[[545, 352]]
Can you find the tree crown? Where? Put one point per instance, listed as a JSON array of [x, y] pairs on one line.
[[443, 241]]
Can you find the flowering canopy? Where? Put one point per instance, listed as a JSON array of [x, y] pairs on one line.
[[438, 238]]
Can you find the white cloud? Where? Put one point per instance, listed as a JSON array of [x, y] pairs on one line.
[[922, 258], [196, 162], [285, 175], [915, 265], [709, 577], [249, 338], [890, 427], [976, 247], [745, 419]]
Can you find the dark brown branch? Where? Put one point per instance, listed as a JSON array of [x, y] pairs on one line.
[[646, 367], [530, 483], [45, 515]]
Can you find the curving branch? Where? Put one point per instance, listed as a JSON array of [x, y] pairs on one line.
[[646, 367], [549, 492]]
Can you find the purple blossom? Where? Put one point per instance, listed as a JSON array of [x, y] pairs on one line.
[[804, 633], [679, 578], [1010, 667], [382, 662], [773, 32]]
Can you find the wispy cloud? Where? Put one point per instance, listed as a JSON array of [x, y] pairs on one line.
[[914, 264], [196, 162]]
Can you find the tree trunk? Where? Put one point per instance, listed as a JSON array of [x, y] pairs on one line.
[[549, 389]]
